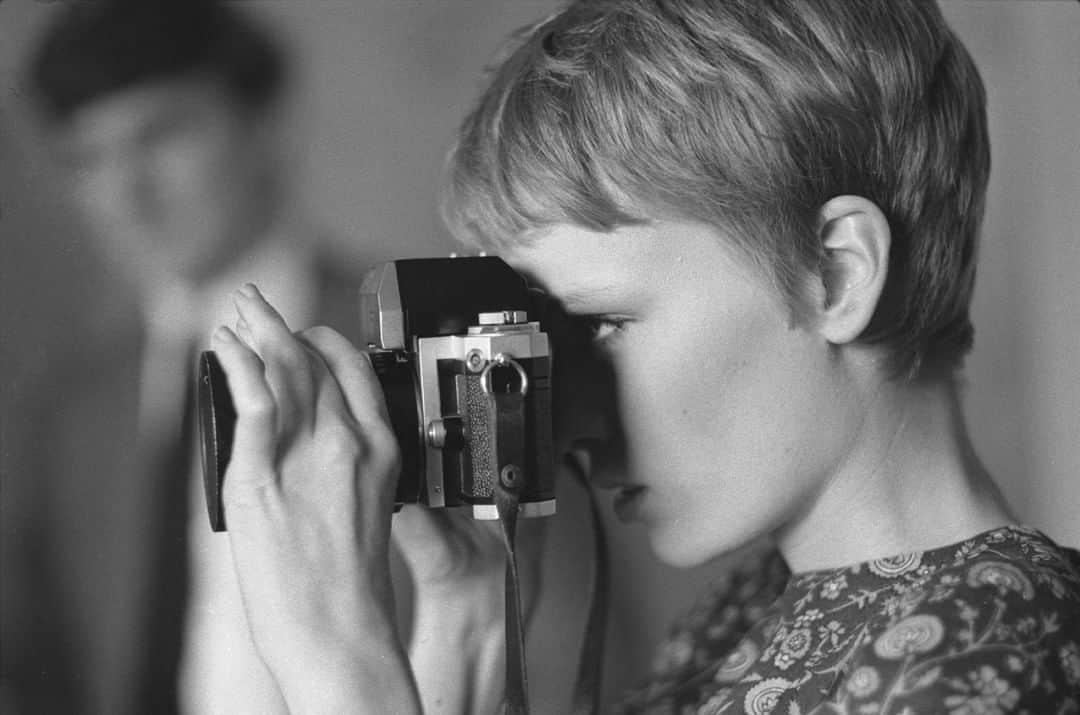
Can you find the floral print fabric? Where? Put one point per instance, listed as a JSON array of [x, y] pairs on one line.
[[984, 627]]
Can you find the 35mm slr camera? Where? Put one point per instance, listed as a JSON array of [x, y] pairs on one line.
[[467, 381]]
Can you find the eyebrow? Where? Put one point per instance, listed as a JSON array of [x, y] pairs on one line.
[[580, 296], [577, 296]]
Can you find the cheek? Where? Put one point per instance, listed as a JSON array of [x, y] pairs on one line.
[[188, 179], [720, 406], [91, 203], [668, 387], [103, 195], [200, 169], [732, 448], [105, 205]]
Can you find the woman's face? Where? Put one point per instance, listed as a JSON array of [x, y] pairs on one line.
[[729, 417]]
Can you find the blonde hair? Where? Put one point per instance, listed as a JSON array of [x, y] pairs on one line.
[[749, 116]]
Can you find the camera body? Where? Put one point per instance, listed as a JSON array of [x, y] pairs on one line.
[[467, 380]]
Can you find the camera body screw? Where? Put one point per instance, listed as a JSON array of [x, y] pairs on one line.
[[475, 361]]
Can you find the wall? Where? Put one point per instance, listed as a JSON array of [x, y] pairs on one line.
[[1024, 382], [384, 83]]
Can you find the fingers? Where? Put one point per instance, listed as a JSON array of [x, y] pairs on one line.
[[244, 332], [264, 325], [263, 328], [352, 369], [255, 407], [291, 372]]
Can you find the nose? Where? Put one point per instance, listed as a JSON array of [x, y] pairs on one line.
[[587, 425], [601, 461], [583, 400]]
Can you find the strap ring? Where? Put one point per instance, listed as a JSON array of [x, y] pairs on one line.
[[503, 360]]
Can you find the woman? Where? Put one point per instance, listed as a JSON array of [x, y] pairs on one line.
[[767, 215]]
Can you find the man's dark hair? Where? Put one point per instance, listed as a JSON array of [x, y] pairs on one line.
[[95, 48]]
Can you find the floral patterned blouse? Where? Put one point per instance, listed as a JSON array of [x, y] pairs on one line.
[[990, 625]]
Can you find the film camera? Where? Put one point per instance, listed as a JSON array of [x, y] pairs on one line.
[[467, 381]]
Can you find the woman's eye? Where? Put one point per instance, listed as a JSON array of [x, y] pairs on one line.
[[602, 328]]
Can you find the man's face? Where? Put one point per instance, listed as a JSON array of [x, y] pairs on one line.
[[165, 175], [729, 417]]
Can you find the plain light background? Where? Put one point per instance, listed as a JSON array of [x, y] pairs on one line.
[[381, 87]]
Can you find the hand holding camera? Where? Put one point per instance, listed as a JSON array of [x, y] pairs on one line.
[[309, 496], [451, 407], [466, 378]]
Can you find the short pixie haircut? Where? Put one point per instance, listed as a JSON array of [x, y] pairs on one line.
[[747, 115], [95, 48]]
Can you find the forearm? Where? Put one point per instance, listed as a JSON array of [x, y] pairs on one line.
[[331, 642], [340, 677], [458, 650]]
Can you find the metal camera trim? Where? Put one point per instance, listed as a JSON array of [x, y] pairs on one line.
[[487, 339], [390, 323], [382, 322]]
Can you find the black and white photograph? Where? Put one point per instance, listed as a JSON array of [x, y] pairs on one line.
[[468, 357]]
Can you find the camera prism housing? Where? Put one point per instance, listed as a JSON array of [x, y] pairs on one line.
[[467, 380]]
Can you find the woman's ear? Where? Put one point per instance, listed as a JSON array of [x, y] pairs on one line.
[[856, 239]]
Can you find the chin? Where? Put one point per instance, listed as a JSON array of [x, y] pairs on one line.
[[677, 543], [676, 548]]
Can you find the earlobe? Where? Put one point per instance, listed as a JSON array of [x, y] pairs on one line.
[[856, 239]]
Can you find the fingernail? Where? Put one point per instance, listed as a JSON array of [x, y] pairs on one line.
[[248, 290], [223, 334]]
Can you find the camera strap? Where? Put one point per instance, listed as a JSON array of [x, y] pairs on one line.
[[509, 418], [517, 690], [509, 408], [586, 697]]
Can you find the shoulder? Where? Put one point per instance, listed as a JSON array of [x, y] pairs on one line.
[[995, 629], [734, 603], [988, 625], [710, 636], [338, 279], [327, 268]]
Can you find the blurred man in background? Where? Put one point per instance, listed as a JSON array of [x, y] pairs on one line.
[[164, 116]]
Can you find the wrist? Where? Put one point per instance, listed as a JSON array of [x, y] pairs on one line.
[[336, 676], [478, 592], [458, 653], [295, 621]]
